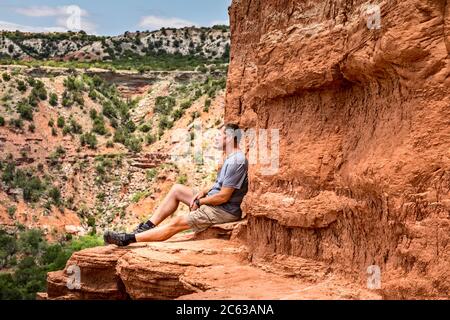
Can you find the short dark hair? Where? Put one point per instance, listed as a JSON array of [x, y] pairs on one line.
[[236, 131]]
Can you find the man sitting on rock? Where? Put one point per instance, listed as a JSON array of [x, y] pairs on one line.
[[216, 205]]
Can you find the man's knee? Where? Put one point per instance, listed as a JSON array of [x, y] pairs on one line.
[[179, 222], [176, 188]]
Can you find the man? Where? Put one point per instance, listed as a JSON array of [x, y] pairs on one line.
[[216, 205]]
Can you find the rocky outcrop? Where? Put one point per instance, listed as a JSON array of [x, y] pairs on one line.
[[361, 109], [184, 269]]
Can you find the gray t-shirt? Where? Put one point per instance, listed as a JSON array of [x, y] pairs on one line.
[[234, 174]]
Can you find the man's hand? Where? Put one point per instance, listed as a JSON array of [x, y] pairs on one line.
[[198, 196]]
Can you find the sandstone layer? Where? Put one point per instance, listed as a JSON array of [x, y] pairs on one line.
[[190, 268]]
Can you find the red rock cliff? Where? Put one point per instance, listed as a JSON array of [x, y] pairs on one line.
[[364, 134], [364, 175]]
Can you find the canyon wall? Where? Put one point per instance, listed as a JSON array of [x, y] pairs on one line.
[[363, 111]]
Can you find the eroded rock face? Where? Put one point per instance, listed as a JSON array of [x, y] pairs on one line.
[[96, 277], [363, 118]]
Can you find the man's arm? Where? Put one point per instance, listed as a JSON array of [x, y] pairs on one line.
[[200, 195], [223, 196]]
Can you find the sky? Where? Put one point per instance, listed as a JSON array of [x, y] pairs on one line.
[[110, 17]]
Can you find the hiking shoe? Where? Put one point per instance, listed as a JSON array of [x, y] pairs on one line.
[[142, 227], [119, 239]]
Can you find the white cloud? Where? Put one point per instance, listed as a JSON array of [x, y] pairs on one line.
[[11, 26], [68, 18], [45, 11], [155, 22]]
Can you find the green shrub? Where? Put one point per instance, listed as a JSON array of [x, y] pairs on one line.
[[31, 81], [56, 155], [202, 69], [151, 174], [21, 86], [145, 128], [182, 179], [133, 144], [55, 194], [130, 126], [120, 135], [93, 114], [89, 139], [61, 122], [9, 172], [99, 126], [33, 100], [53, 99], [150, 139], [12, 211], [91, 221], [177, 114], [73, 83], [93, 94], [32, 189], [2, 121], [75, 127], [207, 105], [164, 105], [165, 123], [108, 110], [186, 105], [16, 123], [66, 130], [138, 196], [25, 111], [195, 115], [6, 77], [39, 90]]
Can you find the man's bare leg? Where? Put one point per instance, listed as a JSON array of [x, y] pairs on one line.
[[178, 193], [164, 232]]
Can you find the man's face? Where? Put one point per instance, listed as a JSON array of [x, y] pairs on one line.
[[224, 140]]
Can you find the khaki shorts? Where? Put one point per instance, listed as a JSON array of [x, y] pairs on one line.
[[207, 216]]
